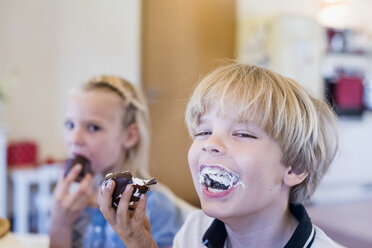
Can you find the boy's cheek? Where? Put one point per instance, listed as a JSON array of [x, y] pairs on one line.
[[194, 172], [193, 160], [193, 166], [190, 157]]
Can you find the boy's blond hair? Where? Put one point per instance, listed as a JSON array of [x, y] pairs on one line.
[[135, 111], [304, 127]]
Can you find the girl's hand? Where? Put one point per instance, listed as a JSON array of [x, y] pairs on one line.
[[132, 226], [67, 205]]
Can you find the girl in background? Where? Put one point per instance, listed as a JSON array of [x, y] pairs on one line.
[[107, 121]]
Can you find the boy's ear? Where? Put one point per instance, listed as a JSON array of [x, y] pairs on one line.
[[291, 178], [131, 136]]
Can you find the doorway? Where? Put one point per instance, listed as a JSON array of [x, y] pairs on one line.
[[181, 41]]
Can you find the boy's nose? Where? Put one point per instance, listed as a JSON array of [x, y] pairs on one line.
[[213, 145], [210, 149]]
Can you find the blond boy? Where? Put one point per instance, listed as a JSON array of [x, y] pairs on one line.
[[261, 145]]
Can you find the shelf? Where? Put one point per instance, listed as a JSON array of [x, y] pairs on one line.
[[349, 61]]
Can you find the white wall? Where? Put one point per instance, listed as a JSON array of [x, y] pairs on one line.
[[47, 47]]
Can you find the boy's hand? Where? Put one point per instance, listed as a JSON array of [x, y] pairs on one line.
[[132, 226]]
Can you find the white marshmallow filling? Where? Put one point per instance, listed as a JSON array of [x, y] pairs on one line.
[[217, 178], [134, 181]]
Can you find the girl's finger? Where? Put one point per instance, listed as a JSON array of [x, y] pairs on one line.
[[78, 203], [84, 189], [86, 183], [59, 187], [70, 177]]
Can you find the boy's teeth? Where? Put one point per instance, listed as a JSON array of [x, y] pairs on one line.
[[213, 190]]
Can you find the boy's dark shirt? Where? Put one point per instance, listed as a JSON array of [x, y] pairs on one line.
[[216, 234]]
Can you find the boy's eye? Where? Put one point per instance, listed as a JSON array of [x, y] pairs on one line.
[[244, 135], [203, 133], [94, 128], [69, 125]]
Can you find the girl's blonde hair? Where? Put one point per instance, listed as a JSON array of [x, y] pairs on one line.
[[304, 127], [135, 111]]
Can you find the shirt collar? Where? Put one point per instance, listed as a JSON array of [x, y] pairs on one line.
[[303, 236]]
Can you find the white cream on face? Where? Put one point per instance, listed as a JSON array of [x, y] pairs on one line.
[[217, 177]]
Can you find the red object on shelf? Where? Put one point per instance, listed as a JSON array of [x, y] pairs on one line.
[[349, 92], [22, 153]]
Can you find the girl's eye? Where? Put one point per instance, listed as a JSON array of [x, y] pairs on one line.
[[69, 125], [203, 133], [245, 135], [94, 128]]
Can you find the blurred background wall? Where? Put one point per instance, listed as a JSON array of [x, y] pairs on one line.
[[47, 47]]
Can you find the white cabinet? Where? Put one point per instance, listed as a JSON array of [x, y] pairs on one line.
[[350, 175], [293, 46]]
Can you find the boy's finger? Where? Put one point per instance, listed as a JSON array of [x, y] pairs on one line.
[[122, 209], [140, 212], [106, 193], [142, 202], [105, 202]]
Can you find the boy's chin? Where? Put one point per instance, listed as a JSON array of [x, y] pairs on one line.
[[214, 210]]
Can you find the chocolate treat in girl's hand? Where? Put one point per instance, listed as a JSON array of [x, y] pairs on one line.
[[87, 167], [122, 179]]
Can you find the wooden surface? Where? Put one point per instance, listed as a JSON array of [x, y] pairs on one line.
[[349, 223]]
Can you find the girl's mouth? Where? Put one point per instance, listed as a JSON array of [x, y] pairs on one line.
[[217, 179]]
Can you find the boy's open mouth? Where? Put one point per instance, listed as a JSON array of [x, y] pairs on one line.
[[217, 178]]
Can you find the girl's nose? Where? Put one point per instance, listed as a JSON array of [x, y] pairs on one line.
[[76, 136]]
